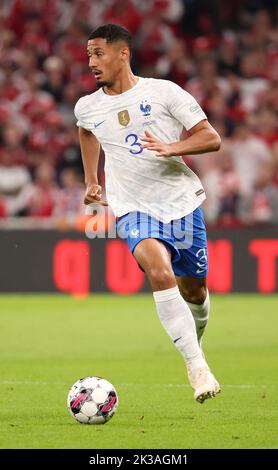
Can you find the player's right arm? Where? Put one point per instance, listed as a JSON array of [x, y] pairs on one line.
[[90, 149]]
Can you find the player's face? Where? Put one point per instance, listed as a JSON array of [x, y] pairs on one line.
[[106, 60]]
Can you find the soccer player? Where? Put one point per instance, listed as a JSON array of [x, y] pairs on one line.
[[153, 194]]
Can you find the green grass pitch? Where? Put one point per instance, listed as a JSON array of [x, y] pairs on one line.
[[48, 342]]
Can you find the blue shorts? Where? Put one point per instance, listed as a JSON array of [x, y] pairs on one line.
[[185, 238]]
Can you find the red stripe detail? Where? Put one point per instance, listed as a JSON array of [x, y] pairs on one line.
[[109, 405], [81, 398]]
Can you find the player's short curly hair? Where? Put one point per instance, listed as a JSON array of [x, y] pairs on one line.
[[113, 33]]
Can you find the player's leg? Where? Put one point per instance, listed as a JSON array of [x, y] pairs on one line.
[[191, 269], [173, 311], [196, 295], [154, 258]]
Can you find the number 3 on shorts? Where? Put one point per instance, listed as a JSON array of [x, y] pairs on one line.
[[132, 140]]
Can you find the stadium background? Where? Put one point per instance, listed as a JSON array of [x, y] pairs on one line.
[[226, 55]]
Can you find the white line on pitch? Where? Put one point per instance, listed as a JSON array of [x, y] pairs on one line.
[[35, 382]]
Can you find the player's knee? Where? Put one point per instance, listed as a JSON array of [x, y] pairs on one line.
[[196, 295], [161, 278]]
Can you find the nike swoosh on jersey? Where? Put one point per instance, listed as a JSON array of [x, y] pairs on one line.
[[98, 123]]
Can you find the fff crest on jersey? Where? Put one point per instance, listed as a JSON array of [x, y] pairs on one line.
[[145, 108], [124, 117]]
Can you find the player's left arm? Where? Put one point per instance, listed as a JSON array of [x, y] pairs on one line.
[[203, 138]]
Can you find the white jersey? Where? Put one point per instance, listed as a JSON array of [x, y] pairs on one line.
[[136, 179]]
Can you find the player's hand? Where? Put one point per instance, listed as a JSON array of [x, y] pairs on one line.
[[152, 143], [93, 195]]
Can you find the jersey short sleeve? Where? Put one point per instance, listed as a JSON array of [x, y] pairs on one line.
[[183, 106], [80, 113]]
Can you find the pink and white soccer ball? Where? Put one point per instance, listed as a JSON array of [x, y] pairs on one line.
[[92, 400]]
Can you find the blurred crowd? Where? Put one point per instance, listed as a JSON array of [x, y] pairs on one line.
[[224, 53]]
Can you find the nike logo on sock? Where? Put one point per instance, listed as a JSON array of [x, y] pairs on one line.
[[175, 340]]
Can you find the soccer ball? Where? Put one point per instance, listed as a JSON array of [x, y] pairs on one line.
[[92, 400]]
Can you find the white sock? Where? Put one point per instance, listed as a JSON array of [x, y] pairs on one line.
[[201, 316], [177, 320]]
